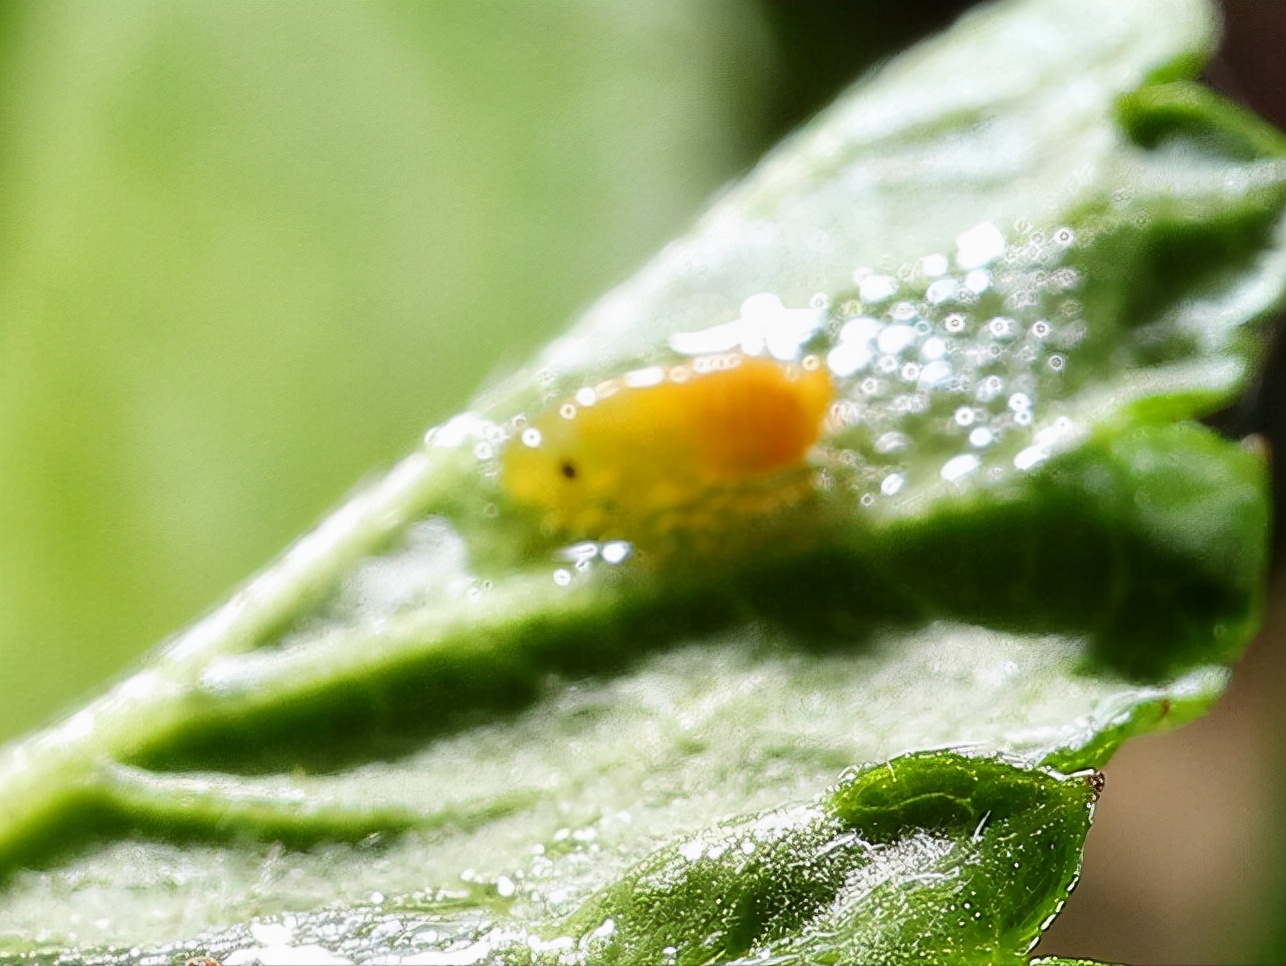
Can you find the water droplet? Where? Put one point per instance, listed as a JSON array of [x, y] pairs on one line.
[[990, 388], [894, 338], [864, 328], [1001, 327], [902, 312], [605, 931], [616, 551], [941, 290], [848, 358], [567, 411], [892, 442], [892, 484], [692, 851], [933, 265], [935, 374], [577, 552], [1031, 456], [980, 245], [531, 436], [562, 577], [959, 466], [964, 416], [643, 378], [978, 281], [1056, 363], [877, 288]]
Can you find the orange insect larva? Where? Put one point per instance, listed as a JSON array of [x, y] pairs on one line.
[[612, 461]]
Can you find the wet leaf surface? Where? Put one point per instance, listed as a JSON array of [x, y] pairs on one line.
[[452, 724]]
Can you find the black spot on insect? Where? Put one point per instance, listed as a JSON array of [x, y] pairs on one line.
[[568, 469]]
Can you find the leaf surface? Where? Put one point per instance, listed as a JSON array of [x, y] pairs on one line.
[[1028, 252]]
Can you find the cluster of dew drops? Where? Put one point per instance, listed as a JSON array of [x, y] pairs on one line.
[[942, 367]]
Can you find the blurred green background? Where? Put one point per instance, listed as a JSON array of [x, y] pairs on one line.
[[249, 252]]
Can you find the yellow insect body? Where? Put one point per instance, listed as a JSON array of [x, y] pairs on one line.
[[618, 465]]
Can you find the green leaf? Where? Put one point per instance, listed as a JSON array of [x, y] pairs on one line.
[[867, 873], [462, 729]]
